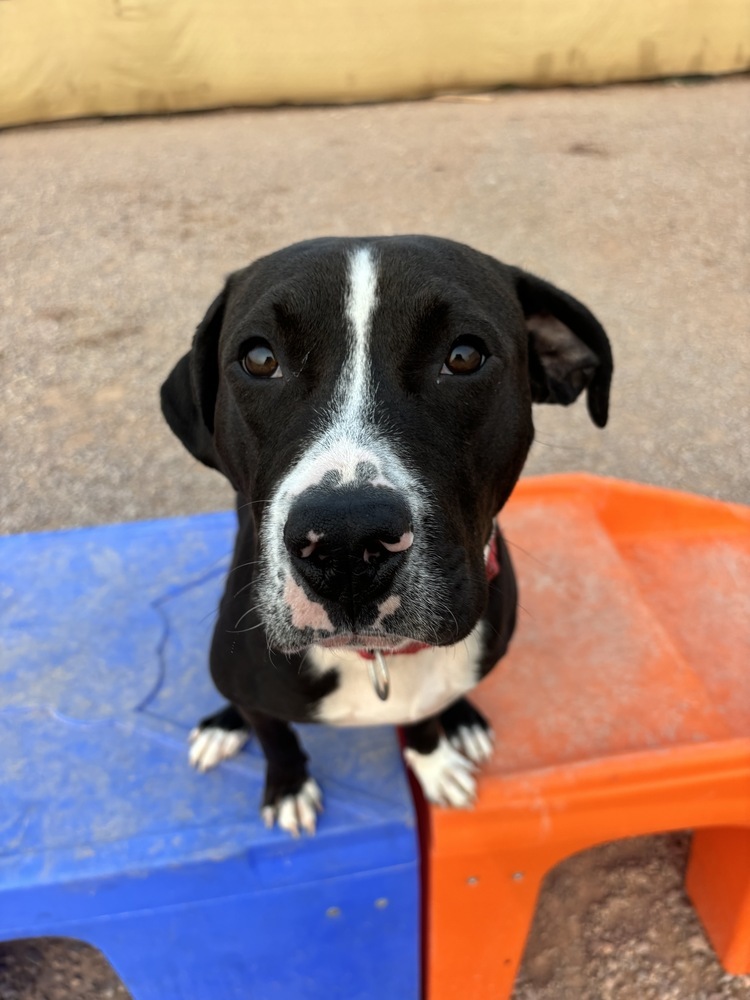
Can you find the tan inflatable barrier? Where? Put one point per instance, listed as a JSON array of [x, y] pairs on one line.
[[72, 58]]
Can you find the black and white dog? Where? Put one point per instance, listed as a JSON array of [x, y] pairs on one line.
[[370, 402]]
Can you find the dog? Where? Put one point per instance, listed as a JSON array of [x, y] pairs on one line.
[[370, 402]]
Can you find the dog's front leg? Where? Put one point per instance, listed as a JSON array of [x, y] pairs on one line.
[[446, 776], [290, 797]]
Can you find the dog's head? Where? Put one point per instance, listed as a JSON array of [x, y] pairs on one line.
[[371, 398]]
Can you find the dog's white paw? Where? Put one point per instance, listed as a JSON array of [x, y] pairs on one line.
[[296, 811], [211, 745], [474, 742], [446, 776]]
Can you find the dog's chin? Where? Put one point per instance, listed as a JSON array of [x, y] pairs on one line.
[[349, 640]]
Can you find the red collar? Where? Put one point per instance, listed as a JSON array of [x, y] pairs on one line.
[[492, 568], [413, 647], [492, 554]]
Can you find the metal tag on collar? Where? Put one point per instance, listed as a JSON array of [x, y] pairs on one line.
[[378, 671]]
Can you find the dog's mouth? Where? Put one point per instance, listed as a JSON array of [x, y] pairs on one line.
[[365, 643]]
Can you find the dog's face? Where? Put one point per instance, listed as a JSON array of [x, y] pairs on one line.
[[371, 399]]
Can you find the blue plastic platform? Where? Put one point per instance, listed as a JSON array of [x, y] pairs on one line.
[[107, 835]]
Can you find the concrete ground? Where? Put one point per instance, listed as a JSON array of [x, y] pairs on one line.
[[115, 236]]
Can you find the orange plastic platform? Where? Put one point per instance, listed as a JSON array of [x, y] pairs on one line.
[[622, 708]]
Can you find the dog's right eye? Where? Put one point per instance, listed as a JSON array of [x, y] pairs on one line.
[[259, 360], [467, 355]]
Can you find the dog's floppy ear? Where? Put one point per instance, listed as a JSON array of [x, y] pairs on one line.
[[568, 348], [188, 397]]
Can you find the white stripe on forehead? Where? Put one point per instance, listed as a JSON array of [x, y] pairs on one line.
[[353, 389], [361, 297], [348, 441]]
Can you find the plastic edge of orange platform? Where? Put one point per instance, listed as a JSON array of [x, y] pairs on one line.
[[629, 509], [589, 803]]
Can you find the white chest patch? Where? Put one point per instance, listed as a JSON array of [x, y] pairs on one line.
[[422, 684]]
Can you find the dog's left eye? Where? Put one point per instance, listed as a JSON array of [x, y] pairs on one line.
[[467, 355], [259, 360]]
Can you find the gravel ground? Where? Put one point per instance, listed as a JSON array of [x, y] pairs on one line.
[[116, 235]]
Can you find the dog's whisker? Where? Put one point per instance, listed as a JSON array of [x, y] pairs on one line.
[[561, 447], [302, 661], [447, 609], [245, 614], [241, 631], [247, 586], [529, 555], [209, 614], [250, 503], [270, 658], [244, 565]]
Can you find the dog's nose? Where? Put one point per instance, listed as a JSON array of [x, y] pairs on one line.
[[348, 543]]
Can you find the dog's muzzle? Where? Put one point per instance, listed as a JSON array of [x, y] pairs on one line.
[[348, 544]]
